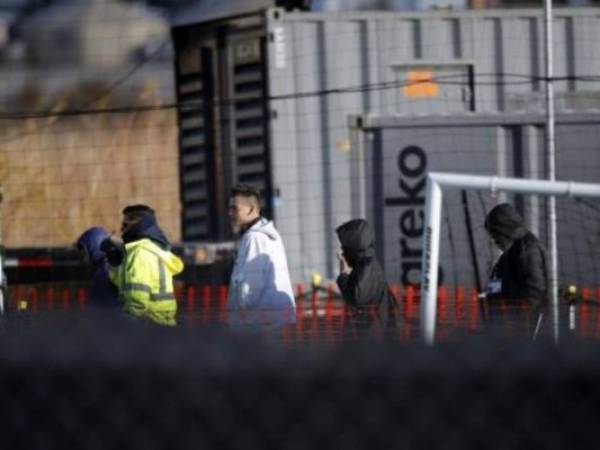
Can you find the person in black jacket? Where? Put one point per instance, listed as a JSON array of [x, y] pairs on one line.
[[520, 273], [361, 280]]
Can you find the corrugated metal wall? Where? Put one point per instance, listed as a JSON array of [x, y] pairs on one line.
[[324, 68]]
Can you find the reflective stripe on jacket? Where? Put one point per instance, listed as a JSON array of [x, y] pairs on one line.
[[145, 281]]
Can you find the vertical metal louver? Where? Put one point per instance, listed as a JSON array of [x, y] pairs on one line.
[[196, 146], [249, 131]]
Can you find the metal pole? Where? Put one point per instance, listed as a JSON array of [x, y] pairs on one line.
[[551, 165], [516, 185], [473, 251], [430, 261]]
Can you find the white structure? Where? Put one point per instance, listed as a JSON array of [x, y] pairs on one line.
[[433, 214]]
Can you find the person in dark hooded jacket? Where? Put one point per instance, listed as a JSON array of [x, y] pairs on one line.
[[103, 293], [520, 273], [361, 281]]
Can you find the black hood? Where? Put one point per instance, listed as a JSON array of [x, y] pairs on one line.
[[357, 241], [147, 228], [505, 221]]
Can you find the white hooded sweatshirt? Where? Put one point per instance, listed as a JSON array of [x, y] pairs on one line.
[[260, 290]]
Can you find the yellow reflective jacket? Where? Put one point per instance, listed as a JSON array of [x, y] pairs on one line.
[[145, 281]]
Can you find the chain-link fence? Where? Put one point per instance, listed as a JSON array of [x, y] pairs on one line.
[[114, 386]]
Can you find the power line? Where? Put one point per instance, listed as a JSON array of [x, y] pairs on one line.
[[500, 79]]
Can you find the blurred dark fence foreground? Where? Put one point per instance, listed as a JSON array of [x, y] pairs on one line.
[[123, 387]]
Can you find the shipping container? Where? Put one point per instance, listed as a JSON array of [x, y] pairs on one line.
[[399, 152], [266, 97]]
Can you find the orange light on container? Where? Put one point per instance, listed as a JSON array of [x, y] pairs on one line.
[[420, 84]]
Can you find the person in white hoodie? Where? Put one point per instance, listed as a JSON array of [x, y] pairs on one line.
[[260, 290]]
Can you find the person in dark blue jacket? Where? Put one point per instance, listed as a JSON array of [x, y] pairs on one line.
[[103, 293]]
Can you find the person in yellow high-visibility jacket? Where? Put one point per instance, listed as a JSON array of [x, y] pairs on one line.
[[147, 266]]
